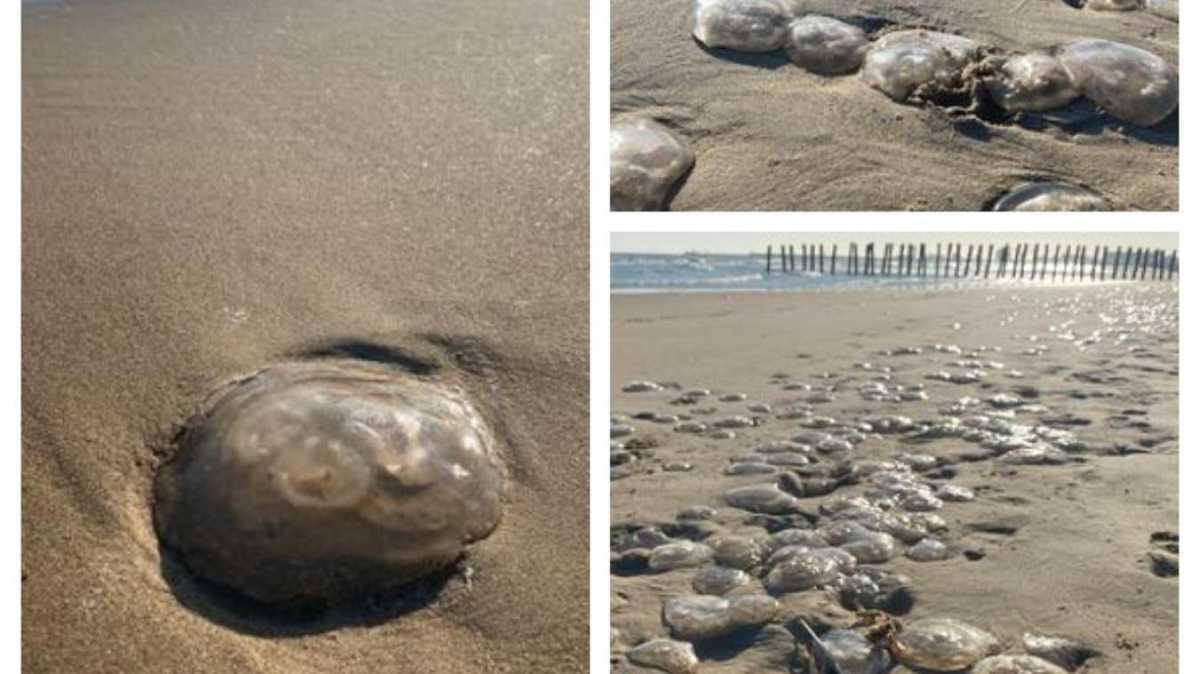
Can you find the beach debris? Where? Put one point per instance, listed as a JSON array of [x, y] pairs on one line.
[[647, 161], [1129, 83], [825, 46], [641, 387], [321, 483]]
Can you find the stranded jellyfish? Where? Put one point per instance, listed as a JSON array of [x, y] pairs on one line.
[[1113, 5], [1031, 82], [743, 25], [315, 483], [1050, 197], [1131, 84], [1167, 9], [943, 645], [825, 46], [901, 63], [646, 160]]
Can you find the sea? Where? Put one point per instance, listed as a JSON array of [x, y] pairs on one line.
[[631, 273]]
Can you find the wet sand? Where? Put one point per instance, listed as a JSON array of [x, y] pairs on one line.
[[212, 187], [771, 136], [1071, 556]]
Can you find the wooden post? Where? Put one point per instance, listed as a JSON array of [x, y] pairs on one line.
[[822, 258], [1145, 263], [868, 254], [987, 271], [1171, 270], [833, 261], [1033, 270], [1095, 258], [768, 259], [1103, 261], [937, 262], [1079, 267]]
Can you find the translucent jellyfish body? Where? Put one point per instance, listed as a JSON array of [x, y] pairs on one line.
[[1048, 196], [943, 645], [1131, 84], [1167, 9], [1113, 5], [646, 160], [901, 63], [320, 483], [743, 25], [825, 46], [1031, 82], [1016, 664]]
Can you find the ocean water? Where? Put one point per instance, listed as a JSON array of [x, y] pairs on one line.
[[643, 273]]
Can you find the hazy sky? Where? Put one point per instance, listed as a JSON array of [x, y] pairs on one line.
[[754, 242]]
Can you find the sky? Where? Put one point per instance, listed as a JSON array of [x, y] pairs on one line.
[[757, 242]]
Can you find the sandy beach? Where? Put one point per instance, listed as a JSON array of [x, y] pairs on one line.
[[769, 135], [210, 188], [1062, 549]]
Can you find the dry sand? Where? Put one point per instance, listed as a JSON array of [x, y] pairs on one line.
[[210, 187], [1076, 564], [771, 136]]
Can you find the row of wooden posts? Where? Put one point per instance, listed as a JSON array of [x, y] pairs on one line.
[[1064, 263]]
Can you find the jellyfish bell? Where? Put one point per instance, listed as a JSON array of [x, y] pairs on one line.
[[825, 46], [1050, 196], [742, 25], [647, 160], [901, 63], [1031, 82], [320, 483], [1131, 84]]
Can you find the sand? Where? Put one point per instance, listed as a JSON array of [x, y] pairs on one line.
[[1076, 565], [212, 187], [771, 136]]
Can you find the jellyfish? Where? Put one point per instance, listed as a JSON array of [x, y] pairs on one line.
[[901, 63], [312, 483], [646, 160], [825, 46], [1131, 84], [1031, 82], [743, 25], [1050, 196]]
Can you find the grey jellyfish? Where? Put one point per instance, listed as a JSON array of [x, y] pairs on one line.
[[646, 160], [318, 483], [1050, 196], [825, 46], [900, 64], [742, 25], [1131, 84], [1030, 82]]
